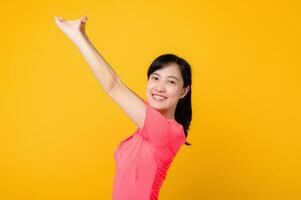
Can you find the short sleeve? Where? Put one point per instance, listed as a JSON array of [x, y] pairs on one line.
[[158, 129]]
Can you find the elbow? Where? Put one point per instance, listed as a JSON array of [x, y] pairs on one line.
[[112, 84]]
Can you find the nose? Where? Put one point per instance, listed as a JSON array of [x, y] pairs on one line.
[[160, 87]]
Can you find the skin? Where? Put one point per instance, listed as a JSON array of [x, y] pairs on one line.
[[72, 28], [159, 82]]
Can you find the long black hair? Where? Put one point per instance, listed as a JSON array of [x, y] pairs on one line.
[[183, 113]]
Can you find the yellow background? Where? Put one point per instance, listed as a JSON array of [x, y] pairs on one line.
[[59, 129]]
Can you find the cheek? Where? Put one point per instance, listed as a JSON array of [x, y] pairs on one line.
[[149, 86], [175, 92]]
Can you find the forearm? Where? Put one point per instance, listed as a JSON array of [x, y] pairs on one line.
[[105, 75]]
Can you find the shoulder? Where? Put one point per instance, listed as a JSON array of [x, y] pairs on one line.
[[177, 129]]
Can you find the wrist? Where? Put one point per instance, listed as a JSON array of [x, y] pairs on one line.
[[78, 37]]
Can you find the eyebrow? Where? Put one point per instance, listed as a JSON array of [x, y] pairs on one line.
[[167, 76]]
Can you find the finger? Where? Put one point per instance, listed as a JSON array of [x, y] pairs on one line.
[[56, 19], [84, 18], [59, 18]]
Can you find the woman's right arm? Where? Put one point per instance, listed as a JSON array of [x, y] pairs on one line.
[[130, 103], [75, 31], [103, 72]]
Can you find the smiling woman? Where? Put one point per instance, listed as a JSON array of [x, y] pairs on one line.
[[166, 84], [143, 159], [169, 88]]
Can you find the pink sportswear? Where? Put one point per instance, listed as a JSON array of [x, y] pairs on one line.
[[143, 159]]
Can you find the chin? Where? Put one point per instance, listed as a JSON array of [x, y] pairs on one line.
[[158, 105]]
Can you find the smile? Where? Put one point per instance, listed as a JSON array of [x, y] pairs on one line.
[[158, 98]]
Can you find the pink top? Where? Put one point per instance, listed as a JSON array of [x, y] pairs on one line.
[[143, 159]]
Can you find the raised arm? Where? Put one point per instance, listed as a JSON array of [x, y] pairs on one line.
[[75, 31], [131, 104]]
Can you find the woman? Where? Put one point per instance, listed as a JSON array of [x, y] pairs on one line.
[[143, 159]]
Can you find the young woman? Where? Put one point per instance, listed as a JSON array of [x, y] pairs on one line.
[[143, 159]]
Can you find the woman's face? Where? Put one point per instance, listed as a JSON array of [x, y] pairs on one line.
[[165, 88]]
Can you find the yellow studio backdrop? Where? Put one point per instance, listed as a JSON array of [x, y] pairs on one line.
[[58, 129]]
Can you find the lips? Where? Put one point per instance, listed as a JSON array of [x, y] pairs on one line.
[[159, 98], [159, 95]]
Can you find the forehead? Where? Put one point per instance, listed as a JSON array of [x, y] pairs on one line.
[[171, 69]]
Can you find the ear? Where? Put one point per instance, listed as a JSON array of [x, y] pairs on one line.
[[185, 91]]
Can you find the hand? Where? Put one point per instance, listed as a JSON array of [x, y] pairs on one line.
[[72, 28]]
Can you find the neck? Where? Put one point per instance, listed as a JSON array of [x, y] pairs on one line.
[[169, 114]]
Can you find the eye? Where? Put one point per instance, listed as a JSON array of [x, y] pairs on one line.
[[172, 82], [154, 78]]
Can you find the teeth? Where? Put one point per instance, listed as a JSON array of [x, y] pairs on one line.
[[158, 97]]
